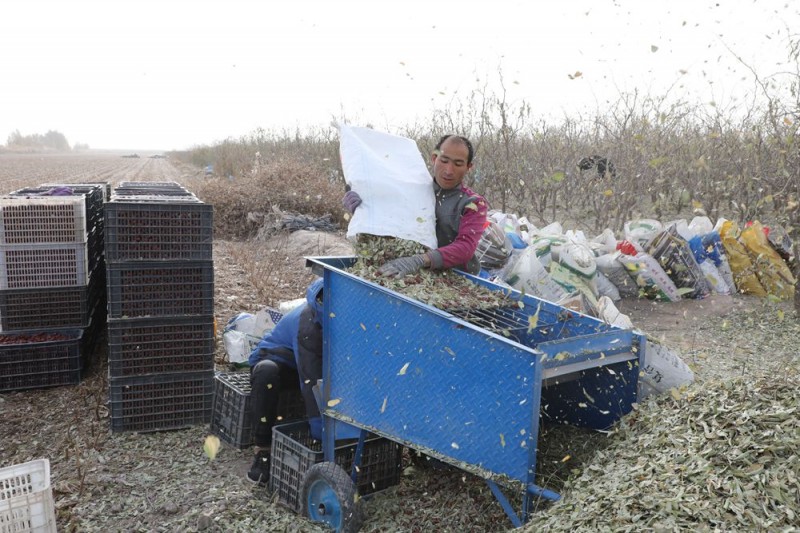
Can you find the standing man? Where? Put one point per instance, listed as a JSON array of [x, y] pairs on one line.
[[461, 214]]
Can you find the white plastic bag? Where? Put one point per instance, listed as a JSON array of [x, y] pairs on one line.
[[615, 271], [662, 370], [642, 231], [608, 312], [396, 190], [701, 225], [529, 275], [714, 278], [606, 288], [604, 243], [650, 276], [288, 306], [243, 332]]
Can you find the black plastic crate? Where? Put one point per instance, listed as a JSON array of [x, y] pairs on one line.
[[144, 188], [99, 191], [294, 452], [141, 346], [150, 289], [151, 184], [39, 359], [160, 401], [58, 308], [231, 419], [148, 231]]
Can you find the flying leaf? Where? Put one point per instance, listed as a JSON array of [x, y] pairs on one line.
[[334, 402], [211, 446], [533, 320], [502, 440], [403, 370], [780, 315], [383, 407], [653, 48], [363, 327], [557, 177], [608, 192], [472, 206]]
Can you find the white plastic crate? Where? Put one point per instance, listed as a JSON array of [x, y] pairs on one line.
[[26, 498], [43, 219]]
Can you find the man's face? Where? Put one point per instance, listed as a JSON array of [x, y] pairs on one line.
[[450, 163]]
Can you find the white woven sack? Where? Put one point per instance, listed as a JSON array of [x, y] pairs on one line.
[[649, 274], [530, 276], [662, 370], [642, 231], [396, 190]]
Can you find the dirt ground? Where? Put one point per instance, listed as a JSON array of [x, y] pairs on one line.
[[163, 481]]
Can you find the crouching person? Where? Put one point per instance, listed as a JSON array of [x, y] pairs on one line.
[[289, 356]]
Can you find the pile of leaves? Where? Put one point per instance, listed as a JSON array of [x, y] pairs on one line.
[[721, 454], [444, 289]]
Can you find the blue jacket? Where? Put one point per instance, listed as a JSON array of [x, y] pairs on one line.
[[296, 341], [280, 344], [299, 330]]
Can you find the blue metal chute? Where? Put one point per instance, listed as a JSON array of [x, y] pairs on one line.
[[469, 387]]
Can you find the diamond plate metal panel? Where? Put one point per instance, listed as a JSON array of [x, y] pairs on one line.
[[469, 394]]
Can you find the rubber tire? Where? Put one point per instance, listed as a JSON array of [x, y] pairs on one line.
[[328, 495]]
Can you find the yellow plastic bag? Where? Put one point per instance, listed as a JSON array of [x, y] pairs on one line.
[[771, 269], [742, 267]]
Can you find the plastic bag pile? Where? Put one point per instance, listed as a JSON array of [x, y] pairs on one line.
[[655, 260]]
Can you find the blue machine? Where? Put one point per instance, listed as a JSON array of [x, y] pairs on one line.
[[466, 387]]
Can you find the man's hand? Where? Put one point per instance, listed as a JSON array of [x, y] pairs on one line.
[[402, 266], [350, 201]]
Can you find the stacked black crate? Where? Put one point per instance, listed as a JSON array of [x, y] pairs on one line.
[[160, 280], [51, 283]]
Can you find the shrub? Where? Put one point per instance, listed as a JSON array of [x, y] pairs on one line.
[[281, 185]]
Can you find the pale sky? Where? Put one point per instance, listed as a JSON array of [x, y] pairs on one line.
[[172, 74]]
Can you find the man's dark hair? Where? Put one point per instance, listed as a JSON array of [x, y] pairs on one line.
[[470, 149]]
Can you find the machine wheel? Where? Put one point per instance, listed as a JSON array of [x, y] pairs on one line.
[[329, 496]]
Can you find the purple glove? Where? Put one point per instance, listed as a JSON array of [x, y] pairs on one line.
[[402, 266], [350, 201]]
